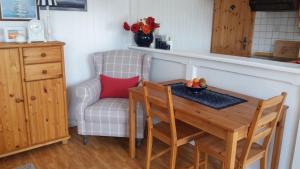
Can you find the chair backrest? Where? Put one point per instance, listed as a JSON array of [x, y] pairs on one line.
[[159, 103], [264, 122], [123, 64]]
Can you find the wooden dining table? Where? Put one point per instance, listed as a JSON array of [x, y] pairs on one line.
[[230, 124]]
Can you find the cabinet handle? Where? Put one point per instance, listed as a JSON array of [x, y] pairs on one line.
[[44, 72], [43, 55], [33, 98], [18, 100]]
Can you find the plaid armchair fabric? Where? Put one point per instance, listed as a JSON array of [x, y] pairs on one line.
[[109, 117]]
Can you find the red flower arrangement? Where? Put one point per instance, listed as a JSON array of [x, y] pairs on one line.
[[147, 26]]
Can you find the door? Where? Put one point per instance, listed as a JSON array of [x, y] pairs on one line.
[[13, 131], [233, 26], [46, 110]]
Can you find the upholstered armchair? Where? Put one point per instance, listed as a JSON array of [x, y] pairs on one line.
[[109, 116]]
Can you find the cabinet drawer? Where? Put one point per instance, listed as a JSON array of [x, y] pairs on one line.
[[42, 55], [43, 71]]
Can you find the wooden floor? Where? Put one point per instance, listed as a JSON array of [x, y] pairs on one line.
[[100, 153]]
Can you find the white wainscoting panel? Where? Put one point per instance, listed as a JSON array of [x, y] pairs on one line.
[[244, 76]]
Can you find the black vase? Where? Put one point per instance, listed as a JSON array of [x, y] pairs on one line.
[[142, 39]]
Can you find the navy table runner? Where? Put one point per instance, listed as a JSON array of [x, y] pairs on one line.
[[206, 97]]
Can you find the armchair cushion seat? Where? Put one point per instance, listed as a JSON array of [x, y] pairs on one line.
[[109, 110], [109, 117]]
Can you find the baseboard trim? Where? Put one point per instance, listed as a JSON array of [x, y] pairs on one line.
[[63, 140]]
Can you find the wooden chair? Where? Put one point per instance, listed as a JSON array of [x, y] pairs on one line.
[[248, 150], [159, 104]]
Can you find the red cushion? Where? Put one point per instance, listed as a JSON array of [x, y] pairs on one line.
[[115, 87]]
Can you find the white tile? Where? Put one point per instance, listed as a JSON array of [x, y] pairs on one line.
[[283, 28], [269, 28], [275, 34], [268, 35], [263, 14], [296, 36], [257, 21], [290, 36], [264, 21], [258, 35], [270, 21], [258, 15], [269, 42], [286, 35], [261, 41], [255, 28], [261, 48], [269, 14], [284, 14], [277, 14], [274, 20], [292, 14], [277, 21], [276, 28], [267, 47], [255, 35], [291, 21], [259, 28], [263, 28], [282, 35], [283, 21]]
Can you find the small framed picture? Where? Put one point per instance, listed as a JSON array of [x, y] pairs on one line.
[[18, 10], [15, 34], [69, 5]]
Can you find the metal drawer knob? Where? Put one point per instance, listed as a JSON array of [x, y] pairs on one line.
[[44, 72], [43, 55]]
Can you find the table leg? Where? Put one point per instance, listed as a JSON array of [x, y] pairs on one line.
[[278, 141], [132, 125], [231, 146]]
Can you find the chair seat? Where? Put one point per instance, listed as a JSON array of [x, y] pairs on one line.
[[185, 132], [110, 110], [217, 147]]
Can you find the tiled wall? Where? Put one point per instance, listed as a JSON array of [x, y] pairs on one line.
[[272, 26]]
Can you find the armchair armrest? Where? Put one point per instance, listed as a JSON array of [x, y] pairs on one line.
[[88, 91], [85, 94]]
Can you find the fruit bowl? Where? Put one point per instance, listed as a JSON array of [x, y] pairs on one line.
[[196, 90], [196, 85]]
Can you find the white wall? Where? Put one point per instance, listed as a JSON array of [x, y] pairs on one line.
[[98, 29], [188, 22], [296, 161]]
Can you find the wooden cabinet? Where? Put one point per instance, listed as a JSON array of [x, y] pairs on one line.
[[33, 109], [233, 26], [46, 109], [13, 132]]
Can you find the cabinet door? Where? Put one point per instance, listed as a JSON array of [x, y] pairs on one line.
[[47, 115], [13, 131], [233, 26]]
